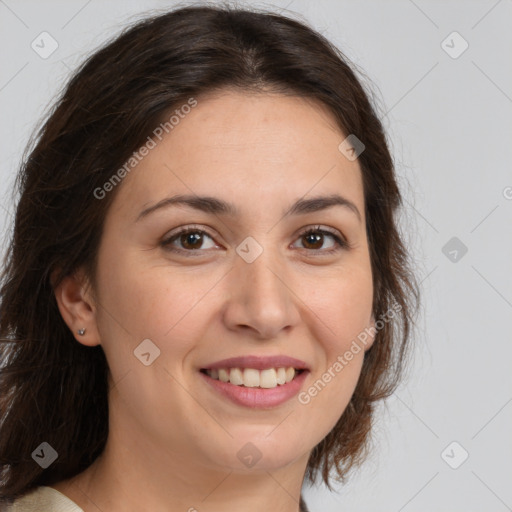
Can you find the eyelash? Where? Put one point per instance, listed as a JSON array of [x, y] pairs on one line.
[[341, 243]]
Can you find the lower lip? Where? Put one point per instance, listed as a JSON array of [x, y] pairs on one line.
[[257, 398]]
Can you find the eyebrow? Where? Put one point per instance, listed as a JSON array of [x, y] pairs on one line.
[[217, 206]]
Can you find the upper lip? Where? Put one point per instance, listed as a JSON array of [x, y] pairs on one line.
[[258, 363]]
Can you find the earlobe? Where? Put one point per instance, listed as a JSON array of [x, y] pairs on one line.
[[77, 308]]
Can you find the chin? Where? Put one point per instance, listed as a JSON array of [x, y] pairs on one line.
[[259, 452]]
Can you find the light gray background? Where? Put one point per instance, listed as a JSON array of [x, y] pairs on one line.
[[450, 121]]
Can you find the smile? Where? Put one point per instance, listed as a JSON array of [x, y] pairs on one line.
[[253, 378], [254, 395]]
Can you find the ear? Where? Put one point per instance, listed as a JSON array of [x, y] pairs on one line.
[[77, 307], [371, 331]]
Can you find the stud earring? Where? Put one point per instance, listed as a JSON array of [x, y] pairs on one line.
[[81, 331]]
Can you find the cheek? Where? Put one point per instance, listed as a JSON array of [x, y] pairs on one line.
[[345, 312], [327, 391], [344, 308], [139, 302]]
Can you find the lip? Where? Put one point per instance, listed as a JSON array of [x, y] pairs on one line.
[[258, 363], [256, 398]]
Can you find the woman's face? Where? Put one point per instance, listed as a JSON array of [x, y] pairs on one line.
[[246, 282]]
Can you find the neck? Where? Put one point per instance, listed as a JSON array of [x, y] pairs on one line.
[[133, 476]]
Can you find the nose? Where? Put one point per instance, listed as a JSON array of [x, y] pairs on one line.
[[261, 297]]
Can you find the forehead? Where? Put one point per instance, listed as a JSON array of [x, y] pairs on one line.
[[246, 147]]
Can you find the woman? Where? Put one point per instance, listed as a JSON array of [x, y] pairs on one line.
[[206, 291]]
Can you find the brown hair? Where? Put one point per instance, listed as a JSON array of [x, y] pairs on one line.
[[53, 388]]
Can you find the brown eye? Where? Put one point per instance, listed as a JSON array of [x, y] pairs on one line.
[[187, 240], [191, 240], [314, 239]]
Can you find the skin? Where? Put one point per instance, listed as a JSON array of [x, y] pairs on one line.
[[173, 442]]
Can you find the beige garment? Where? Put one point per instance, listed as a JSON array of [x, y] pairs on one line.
[[47, 499], [43, 499]]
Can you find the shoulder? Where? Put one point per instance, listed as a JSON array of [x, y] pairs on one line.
[[43, 498]]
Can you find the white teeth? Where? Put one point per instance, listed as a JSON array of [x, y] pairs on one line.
[[268, 378], [252, 378], [236, 376]]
